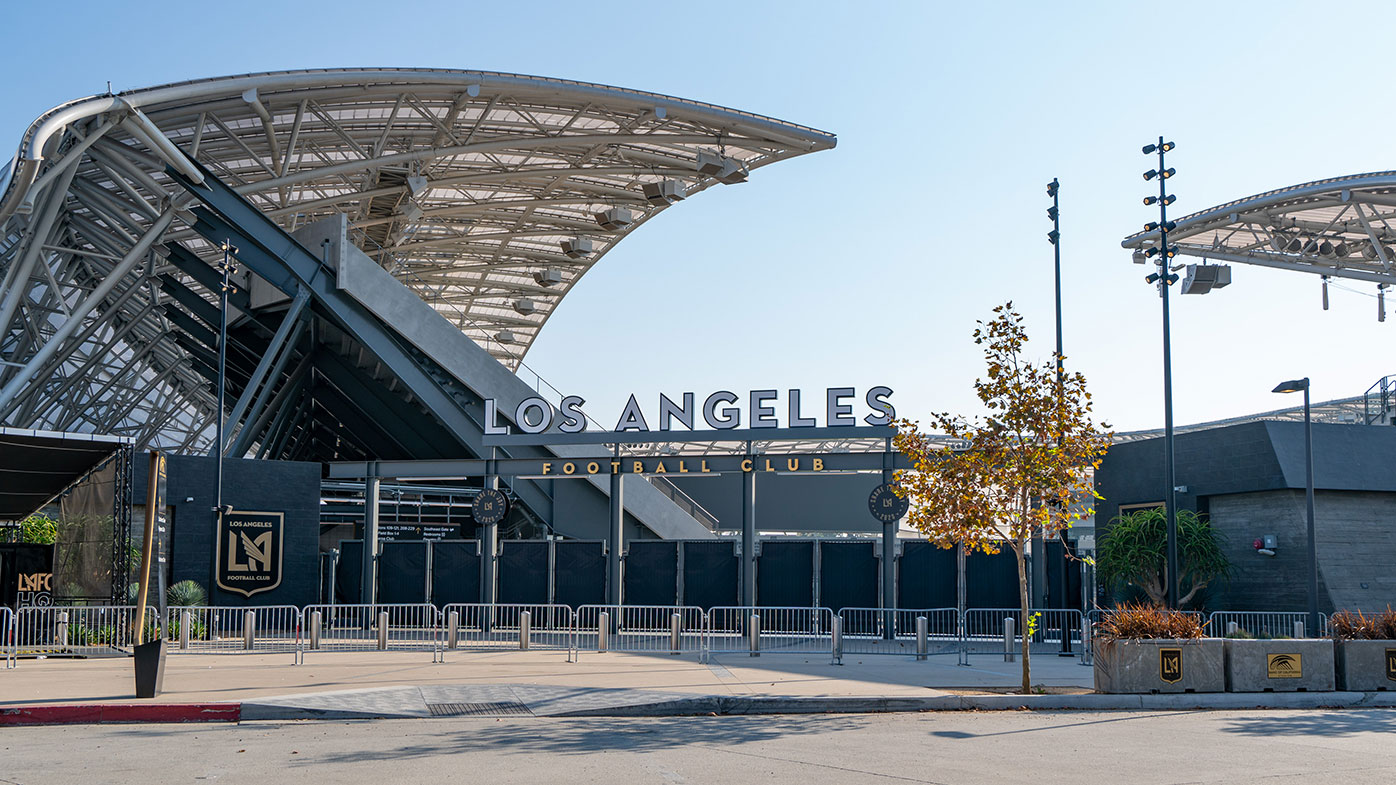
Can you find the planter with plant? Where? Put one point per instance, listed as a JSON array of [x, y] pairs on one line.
[[1143, 649], [1365, 650]]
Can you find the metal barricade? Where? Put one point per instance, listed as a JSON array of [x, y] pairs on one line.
[[227, 630], [382, 627], [7, 637], [894, 631], [658, 629], [1262, 624], [1054, 630], [758, 630], [481, 627], [78, 630]]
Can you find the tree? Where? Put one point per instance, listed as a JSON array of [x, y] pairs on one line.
[[1132, 553], [39, 529], [1022, 470]]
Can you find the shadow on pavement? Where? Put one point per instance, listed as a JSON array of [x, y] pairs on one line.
[[1328, 723]]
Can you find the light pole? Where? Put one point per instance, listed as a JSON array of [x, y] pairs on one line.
[[1163, 278], [1302, 385], [1054, 237]]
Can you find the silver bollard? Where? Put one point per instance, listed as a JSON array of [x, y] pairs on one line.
[[185, 621], [524, 622], [383, 631], [62, 631], [453, 630], [249, 630], [753, 632], [922, 633], [1008, 654], [1087, 655], [315, 629], [675, 636], [836, 638], [1299, 630], [1231, 628], [603, 631]]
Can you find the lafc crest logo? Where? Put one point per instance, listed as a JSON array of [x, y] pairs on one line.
[[249, 551]]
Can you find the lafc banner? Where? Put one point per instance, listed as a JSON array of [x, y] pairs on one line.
[[249, 551]]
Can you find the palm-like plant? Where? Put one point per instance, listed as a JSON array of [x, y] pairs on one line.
[[1132, 553]]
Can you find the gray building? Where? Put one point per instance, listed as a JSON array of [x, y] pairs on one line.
[[1249, 478]]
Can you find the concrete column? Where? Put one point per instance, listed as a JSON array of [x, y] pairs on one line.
[[749, 535], [617, 540], [889, 553], [368, 592]]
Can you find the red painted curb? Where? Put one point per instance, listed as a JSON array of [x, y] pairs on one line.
[[95, 713]]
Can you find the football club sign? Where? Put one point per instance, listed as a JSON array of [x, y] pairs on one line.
[[249, 551]]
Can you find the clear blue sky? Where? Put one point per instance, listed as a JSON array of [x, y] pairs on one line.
[[870, 263]]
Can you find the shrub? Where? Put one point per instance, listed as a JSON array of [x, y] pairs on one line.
[[186, 594], [1354, 626], [1137, 622]]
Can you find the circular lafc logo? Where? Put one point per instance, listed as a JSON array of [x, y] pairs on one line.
[[885, 505], [489, 507]]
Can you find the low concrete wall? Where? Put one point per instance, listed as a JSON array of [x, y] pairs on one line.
[[1130, 666], [1366, 666], [1280, 665]]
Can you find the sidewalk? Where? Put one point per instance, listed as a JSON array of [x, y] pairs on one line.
[[363, 685]]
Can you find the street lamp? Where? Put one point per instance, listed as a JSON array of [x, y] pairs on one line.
[[1302, 385], [1163, 278]]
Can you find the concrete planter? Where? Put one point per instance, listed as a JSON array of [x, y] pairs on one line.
[[1366, 666], [1279, 665], [1160, 665]]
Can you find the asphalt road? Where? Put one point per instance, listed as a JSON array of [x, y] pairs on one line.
[[1274, 746]]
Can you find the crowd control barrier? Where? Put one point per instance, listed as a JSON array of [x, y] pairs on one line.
[[227, 630], [1001, 630], [90, 630], [480, 627], [405, 627], [7, 637], [1264, 624], [658, 629], [901, 631], [756, 630]]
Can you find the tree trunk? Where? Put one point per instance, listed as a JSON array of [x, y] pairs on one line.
[[1018, 550]]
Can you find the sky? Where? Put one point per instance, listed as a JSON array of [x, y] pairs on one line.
[[869, 264]]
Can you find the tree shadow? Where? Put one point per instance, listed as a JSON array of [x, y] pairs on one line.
[[1349, 722]]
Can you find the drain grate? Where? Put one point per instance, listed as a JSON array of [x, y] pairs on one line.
[[494, 709]]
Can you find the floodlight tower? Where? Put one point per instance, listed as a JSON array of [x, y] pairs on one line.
[[1163, 278]]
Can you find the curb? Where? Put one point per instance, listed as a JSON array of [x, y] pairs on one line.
[[93, 714]]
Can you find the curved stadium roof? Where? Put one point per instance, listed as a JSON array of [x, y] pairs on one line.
[[490, 195], [1343, 227]]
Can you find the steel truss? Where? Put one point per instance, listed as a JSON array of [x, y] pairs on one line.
[[487, 194]]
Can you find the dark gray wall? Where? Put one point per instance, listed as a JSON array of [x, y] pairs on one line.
[[249, 485], [790, 502], [1250, 479]]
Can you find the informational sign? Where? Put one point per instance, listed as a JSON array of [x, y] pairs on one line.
[[160, 540], [249, 551], [1284, 666], [885, 505], [26, 575], [395, 530], [1170, 665], [489, 507]]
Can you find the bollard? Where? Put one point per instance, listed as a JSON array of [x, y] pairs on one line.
[[453, 630], [753, 632], [185, 621], [1086, 654], [1299, 630], [603, 631], [383, 631], [524, 618], [836, 638], [315, 629], [1008, 654], [675, 628], [62, 638], [1231, 629], [921, 635], [249, 630]]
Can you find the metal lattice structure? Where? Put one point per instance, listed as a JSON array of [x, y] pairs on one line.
[[490, 195], [1344, 227]]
